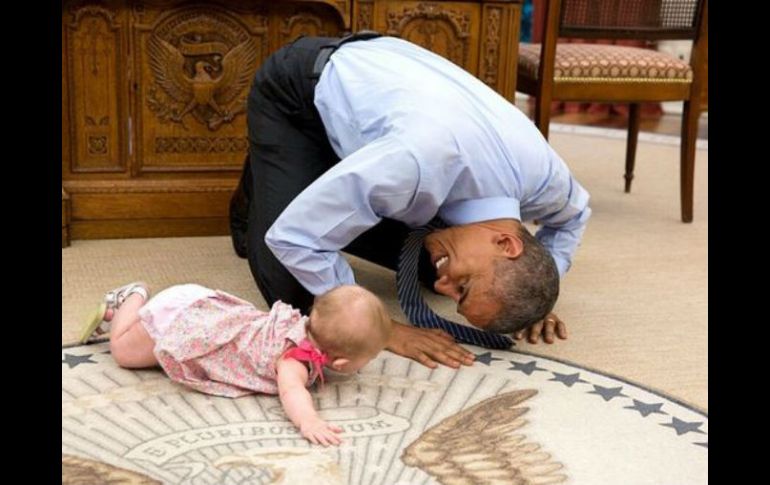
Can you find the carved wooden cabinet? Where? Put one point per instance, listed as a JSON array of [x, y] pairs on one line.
[[154, 95], [482, 37]]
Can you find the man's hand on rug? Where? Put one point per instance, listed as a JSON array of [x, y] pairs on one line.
[[548, 328], [320, 432], [429, 347]]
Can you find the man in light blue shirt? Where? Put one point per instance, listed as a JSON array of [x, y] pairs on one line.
[[384, 137]]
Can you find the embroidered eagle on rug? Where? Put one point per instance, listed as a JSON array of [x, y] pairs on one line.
[[481, 446]]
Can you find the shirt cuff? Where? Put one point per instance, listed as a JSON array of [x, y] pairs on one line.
[[477, 210], [562, 265]]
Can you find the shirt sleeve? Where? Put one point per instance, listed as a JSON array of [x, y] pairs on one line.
[[563, 229], [381, 179]]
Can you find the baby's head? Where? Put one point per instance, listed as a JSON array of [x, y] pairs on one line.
[[350, 324]]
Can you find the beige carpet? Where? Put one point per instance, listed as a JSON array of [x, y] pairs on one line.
[[621, 401]]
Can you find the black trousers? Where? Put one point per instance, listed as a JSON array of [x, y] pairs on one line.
[[288, 150]]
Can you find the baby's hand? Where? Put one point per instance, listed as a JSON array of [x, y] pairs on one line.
[[320, 432]]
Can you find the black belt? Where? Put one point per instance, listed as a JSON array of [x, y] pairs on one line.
[[327, 50]]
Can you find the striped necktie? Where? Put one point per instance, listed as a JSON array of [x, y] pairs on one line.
[[414, 306]]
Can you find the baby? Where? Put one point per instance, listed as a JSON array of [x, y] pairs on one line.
[[219, 344]]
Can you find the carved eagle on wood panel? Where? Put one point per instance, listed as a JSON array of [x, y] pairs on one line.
[[478, 446], [201, 90]]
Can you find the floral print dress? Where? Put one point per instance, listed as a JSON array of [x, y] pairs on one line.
[[219, 344]]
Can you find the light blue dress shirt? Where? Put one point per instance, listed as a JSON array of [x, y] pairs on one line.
[[418, 137]]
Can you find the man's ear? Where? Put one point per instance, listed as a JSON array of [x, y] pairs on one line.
[[338, 364], [510, 245]]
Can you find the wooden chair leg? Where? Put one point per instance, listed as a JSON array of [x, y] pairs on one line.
[[543, 113], [687, 162], [633, 136], [65, 219]]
